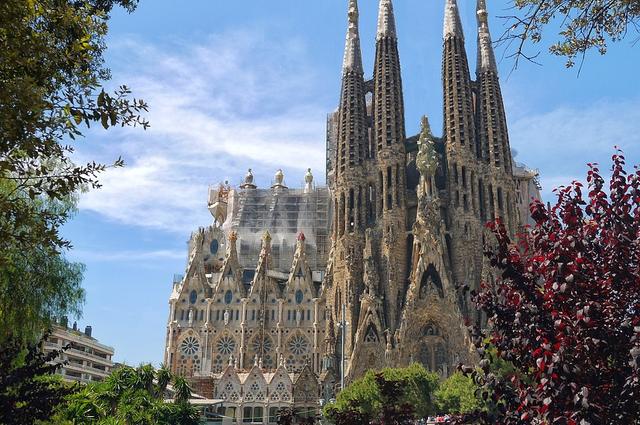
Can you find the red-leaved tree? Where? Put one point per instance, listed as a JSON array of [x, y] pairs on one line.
[[565, 311]]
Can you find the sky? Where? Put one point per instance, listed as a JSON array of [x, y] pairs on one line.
[[243, 84]]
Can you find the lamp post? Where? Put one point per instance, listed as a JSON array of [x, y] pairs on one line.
[[343, 328]]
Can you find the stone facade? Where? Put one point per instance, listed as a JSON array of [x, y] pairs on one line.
[[394, 241]]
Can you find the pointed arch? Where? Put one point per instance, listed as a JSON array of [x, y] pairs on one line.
[[431, 280]]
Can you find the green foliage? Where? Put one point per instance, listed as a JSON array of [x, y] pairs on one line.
[[51, 76], [364, 395], [29, 391], [583, 25], [130, 396], [457, 394]]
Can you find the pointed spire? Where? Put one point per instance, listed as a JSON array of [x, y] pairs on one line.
[[486, 56], [386, 20], [452, 23], [352, 54]]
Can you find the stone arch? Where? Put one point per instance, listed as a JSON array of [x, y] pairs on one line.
[[371, 336], [298, 351], [189, 355], [224, 347], [431, 280]]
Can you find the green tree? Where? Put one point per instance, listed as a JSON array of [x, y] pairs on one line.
[[51, 76], [29, 391], [457, 394], [39, 284], [366, 398], [130, 396], [583, 25]]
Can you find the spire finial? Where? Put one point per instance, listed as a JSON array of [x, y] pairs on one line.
[[386, 20], [352, 54], [486, 56], [452, 23]]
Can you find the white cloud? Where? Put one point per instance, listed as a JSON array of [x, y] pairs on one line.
[[561, 142], [235, 101], [125, 256]]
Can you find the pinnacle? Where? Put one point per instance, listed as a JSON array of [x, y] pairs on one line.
[[386, 20], [452, 23], [486, 56], [352, 54]]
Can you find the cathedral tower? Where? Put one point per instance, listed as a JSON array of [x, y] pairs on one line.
[[493, 136], [464, 242], [350, 184], [388, 143]]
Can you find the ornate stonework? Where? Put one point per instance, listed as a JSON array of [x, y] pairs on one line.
[[395, 240]]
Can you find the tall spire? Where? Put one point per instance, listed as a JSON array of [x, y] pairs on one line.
[[452, 23], [486, 56], [352, 54], [386, 20], [387, 147]]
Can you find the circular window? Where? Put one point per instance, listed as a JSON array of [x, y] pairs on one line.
[[213, 248], [193, 297], [299, 296], [189, 346], [298, 345], [228, 297], [226, 345]]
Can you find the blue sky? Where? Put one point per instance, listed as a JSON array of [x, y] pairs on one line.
[[248, 83]]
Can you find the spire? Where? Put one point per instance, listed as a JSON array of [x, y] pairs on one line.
[[352, 54], [486, 56], [452, 24], [386, 20]]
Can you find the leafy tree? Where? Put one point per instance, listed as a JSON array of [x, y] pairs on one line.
[[38, 285], [566, 309], [583, 25], [51, 76], [29, 391], [377, 396], [457, 394], [130, 396]]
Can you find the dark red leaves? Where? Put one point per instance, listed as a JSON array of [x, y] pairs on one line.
[[566, 310]]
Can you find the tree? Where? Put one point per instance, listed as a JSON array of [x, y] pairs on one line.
[[565, 311], [583, 25], [38, 285], [130, 396], [51, 76], [389, 393], [29, 391], [457, 394]]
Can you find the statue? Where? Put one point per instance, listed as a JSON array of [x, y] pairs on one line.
[[226, 317], [191, 317]]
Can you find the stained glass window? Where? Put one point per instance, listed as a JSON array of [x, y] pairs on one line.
[[193, 297], [228, 297], [189, 346], [299, 296], [213, 248]]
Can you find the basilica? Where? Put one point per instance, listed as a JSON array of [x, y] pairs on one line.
[[310, 285]]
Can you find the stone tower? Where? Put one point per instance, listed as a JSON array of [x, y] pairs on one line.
[[493, 137], [389, 136], [349, 193], [462, 153]]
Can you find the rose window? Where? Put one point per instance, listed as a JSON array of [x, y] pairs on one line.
[[298, 345], [226, 345], [190, 346]]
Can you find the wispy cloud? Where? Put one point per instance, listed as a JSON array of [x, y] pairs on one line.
[[126, 256], [233, 102], [561, 142]]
